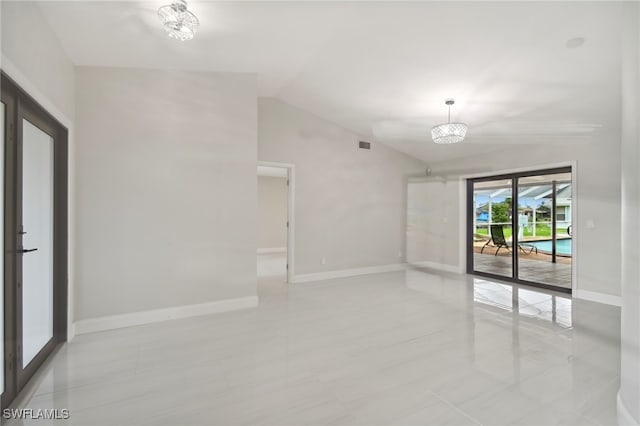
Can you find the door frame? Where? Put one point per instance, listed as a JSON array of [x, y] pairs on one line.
[[21, 105], [291, 213], [464, 227]]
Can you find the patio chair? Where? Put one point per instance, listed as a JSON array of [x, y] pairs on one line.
[[499, 241], [481, 238]]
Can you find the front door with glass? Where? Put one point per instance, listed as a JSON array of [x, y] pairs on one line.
[[35, 230]]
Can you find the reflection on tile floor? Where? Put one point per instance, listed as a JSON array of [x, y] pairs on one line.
[[558, 274], [543, 305], [411, 347]]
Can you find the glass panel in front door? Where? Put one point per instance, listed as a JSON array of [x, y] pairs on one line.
[[37, 240], [2, 111]]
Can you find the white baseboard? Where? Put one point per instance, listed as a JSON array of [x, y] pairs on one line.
[[624, 416], [594, 296], [272, 250], [439, 266], [157, 315], [328, 275]]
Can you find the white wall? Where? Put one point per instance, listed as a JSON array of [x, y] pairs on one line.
[[34, 58], [272, 212], [166, 189], [430, 207], [350, 204], [629, 397], [597, 198]]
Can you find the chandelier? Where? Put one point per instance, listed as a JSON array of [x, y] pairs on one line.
[[449, 132], [177, 21]]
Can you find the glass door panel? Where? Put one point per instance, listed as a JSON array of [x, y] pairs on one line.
[[37, 240], [2, 112], [544, 220], [562, 231], [492, 229]]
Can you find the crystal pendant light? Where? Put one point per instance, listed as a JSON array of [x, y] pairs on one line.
[[177, 21], [449, 132]]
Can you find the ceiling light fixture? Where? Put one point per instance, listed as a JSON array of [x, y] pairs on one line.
[[449, 132], [177, 21]]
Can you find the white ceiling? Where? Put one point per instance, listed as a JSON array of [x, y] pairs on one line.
[[383, 69]]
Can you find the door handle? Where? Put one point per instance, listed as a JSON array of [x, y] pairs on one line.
[[27, 250]]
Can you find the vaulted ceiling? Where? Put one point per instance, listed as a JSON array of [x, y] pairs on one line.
[[384, 69]]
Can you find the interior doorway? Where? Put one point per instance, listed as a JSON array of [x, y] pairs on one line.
[[275, 256], [520, 227]]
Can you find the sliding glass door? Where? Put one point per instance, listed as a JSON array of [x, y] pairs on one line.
[[492, 200], [544, 215], [35, 230], [520, 227]]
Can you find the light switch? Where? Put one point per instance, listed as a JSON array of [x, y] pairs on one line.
[[590, 224]]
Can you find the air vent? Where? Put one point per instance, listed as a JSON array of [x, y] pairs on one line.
[[364, 145]]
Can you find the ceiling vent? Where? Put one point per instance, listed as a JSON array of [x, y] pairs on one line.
[[364, 145]]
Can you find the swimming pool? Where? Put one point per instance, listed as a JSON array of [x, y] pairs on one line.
[[563, 246]]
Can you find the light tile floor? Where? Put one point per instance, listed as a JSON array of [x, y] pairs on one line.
[[413, 347]]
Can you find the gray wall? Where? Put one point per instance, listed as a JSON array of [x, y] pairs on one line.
[[350, 204], [166, 189], [272, 212]]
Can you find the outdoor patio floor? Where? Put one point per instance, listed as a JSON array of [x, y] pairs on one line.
[[535, 268]]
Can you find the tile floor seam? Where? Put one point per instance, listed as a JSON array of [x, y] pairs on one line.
[[458, 409]]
